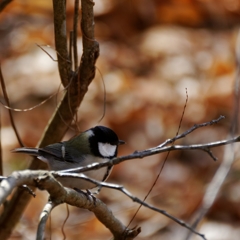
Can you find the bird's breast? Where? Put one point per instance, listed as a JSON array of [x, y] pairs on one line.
[[71, 182]]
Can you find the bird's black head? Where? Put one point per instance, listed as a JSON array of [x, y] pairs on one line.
[[105, 135], [104, 142]]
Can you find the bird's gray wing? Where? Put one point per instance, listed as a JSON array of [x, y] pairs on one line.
[[53, 150], [59, 152]]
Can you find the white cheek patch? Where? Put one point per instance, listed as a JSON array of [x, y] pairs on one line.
[[106, 149]]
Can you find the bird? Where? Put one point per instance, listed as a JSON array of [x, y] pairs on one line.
[[95, 145]]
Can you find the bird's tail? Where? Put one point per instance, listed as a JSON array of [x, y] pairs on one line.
[[27, 150]]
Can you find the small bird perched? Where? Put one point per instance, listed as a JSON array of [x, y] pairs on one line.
[[95, 145]]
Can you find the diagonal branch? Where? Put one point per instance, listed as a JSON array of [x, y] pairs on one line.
[[44, 180], [152, 151], [135, 199]]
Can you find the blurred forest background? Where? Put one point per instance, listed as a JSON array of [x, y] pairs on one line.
[[150, 52]]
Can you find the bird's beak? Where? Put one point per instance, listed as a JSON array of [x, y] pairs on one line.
[[121, 142]]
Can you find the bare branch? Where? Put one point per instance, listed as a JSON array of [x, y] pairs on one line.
[[44, 180], [152, 151], [127, 193], [43, 219]]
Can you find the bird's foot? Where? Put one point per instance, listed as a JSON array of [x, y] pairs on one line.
[[88, 195]]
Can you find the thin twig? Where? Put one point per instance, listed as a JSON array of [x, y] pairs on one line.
[[9, 111], [64, 223], [195, 127], [163, 164], [55, 60], [29, 190], [31, 108]]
